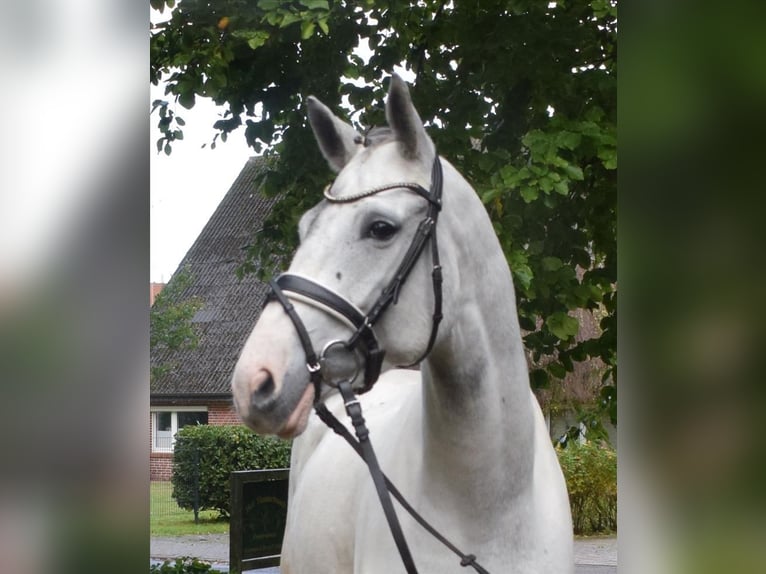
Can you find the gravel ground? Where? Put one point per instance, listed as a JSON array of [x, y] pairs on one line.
[[592, 555]]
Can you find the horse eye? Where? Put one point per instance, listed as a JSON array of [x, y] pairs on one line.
[[382, 230]]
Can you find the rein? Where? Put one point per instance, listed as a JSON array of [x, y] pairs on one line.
[[364, 341]]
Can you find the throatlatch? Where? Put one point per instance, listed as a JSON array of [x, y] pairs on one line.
[[364, 342]]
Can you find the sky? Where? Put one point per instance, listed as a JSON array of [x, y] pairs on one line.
[[188, 185]]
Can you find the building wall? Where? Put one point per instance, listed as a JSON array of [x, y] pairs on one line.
[[154, 290], [161, 463], [160, 466], [222, 413]]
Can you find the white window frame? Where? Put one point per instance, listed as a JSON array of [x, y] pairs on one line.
[[173, 410]]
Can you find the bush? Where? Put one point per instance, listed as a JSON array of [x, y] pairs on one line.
[[590, 470], [181, 566], [214, 452]]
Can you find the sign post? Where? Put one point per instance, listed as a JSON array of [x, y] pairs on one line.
[[258, 517]]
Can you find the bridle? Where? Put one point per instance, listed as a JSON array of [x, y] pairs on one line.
[[363, 338], [363, 341]]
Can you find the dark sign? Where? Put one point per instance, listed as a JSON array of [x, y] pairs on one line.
[[258, 516]]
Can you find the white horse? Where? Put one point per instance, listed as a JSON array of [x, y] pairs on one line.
[[463, 438]]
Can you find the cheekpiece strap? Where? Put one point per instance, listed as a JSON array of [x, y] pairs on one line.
[[312, 362]]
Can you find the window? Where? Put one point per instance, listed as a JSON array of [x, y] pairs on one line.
[[166, 423], [163, 434]]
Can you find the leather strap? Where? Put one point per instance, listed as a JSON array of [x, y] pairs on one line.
[[354, 410], [312, 362], [426, 231], [372, 352], [337, 427]]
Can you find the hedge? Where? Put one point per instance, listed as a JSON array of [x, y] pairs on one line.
[[590, 470], [183, 565], [214, 452]]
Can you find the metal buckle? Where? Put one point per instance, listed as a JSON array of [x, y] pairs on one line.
[[327, 374]]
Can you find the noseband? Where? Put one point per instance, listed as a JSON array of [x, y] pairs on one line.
[[363, 341], [290, 286]]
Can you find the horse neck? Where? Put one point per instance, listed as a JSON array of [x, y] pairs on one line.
[[478, 411]]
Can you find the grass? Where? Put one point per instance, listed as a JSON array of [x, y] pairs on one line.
[[167, 519]]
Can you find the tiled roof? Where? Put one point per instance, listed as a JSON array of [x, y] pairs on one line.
[[230, 306]]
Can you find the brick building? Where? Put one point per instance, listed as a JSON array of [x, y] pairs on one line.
[[154, 290], [194, 385]]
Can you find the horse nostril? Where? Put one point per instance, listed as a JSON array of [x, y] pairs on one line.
[[266, 388], [263, 395]]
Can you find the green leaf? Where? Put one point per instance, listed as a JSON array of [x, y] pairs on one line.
[[187, 99], [529, 194], [557, 370], [289, 18], [562, 325], [537, 141], [510, 175], [323, 25], [315, 4], [257, 39], [608, 157], [561, 187], [539, 379], [551, 263], [307, 29], [573, 172], [351, 71], [568, 140], [269, 5], [523, 274], [491, 194], [273, 18], [526, 323], [566, 361]]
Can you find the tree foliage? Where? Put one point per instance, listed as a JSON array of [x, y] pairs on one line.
[[170, 320], [519, 95], [590, 470]]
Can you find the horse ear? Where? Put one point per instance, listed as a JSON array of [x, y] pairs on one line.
[[338, 141], [406, 123]]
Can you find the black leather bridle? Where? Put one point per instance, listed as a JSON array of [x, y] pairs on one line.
[[363, 341], [363, 338]]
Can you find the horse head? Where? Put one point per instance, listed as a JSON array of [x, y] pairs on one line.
[[351, 244]]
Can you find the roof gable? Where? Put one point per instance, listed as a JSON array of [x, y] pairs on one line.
[[230, 307]]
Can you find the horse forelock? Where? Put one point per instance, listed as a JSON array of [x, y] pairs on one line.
[[377, 135]]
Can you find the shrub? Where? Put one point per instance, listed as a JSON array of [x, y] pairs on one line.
[[210, 453], [590, 470], [181, 566]]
